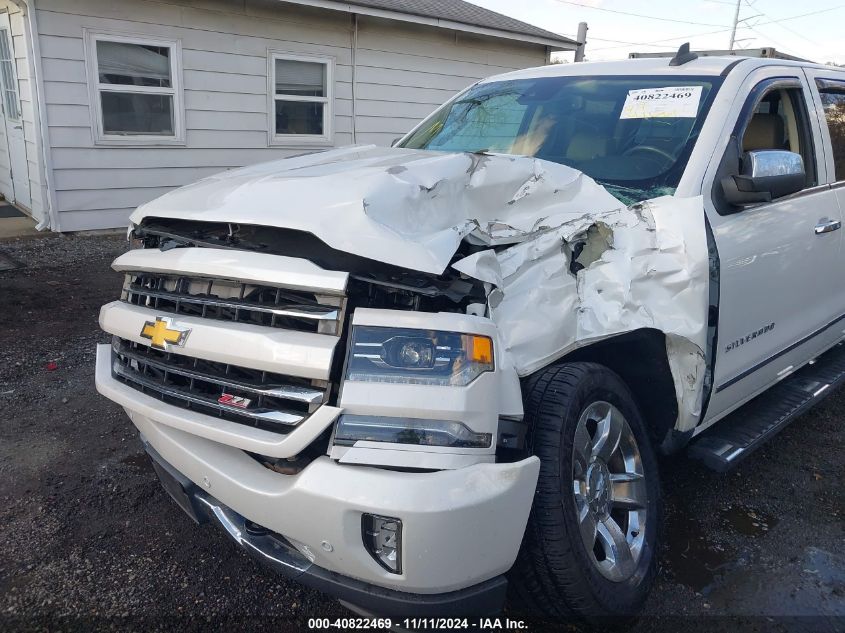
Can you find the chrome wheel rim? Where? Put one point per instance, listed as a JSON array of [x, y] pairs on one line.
[[609, 490]]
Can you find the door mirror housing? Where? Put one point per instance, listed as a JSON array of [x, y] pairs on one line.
[[766, 175]]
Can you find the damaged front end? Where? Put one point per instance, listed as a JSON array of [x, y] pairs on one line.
[[344, 336], [538, 250]]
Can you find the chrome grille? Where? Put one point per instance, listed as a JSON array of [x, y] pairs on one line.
[[227, 300], [267, 400]]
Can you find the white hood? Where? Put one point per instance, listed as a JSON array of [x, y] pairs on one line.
[[409, 208]]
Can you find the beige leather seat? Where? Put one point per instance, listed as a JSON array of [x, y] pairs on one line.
[[765, 131], [587, 146]]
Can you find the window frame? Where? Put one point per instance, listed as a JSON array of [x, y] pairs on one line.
[[95, 89], [822, 85], [755, 96], [326, 139], [18, 115]]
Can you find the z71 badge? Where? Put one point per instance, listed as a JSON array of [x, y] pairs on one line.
[[234, 401]]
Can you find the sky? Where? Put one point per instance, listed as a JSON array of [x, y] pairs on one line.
[[706, 24]]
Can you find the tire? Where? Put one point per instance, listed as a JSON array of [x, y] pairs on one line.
[[555, 575]]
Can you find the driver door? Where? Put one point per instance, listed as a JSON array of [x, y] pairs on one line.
[[778, 291]]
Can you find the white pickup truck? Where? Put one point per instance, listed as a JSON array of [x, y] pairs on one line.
[[419, 377]]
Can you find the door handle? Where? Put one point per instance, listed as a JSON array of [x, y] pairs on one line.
[[827, 226]]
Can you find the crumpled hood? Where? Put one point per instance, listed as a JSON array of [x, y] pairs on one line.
[[409, 208]]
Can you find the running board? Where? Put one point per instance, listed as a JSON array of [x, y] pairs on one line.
[[735, 437]]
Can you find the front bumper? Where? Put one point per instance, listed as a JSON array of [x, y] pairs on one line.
[[486, 598], [461, 527]]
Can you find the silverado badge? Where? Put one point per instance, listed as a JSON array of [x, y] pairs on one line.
[[163, 334]]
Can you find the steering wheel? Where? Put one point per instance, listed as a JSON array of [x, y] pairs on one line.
[[650, 148]]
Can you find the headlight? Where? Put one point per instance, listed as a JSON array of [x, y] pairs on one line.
[[370, 428], [425, 357], [134, 241]]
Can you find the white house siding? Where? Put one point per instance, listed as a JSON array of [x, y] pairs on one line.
[[30, 129], [403, 72]]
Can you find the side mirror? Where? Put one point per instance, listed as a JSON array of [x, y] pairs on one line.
[[395, 141], [767, 174]]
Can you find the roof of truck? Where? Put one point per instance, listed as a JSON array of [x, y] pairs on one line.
[[706, 66]]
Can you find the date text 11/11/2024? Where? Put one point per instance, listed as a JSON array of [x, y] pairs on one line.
[[418, 624]]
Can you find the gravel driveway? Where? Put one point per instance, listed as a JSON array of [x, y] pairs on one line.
[[89, 540]]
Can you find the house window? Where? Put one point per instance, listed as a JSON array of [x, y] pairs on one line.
[[135, 90], [301, 99], [7, 76]]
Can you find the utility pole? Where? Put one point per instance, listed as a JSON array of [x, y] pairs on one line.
[[581, 38], [736, 22]]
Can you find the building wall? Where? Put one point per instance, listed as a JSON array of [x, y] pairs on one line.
[[403, 73], [28, 109]]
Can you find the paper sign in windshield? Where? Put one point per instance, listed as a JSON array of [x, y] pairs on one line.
[[662, 103]]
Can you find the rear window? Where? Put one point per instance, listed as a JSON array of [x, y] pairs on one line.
[[833, 101]]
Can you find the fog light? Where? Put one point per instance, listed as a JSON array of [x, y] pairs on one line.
[[383, 540]]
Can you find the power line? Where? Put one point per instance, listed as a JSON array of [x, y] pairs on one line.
[[781, 46], [803, 15], [656, 42], [623, 44], [783, 26], [635, 15], [779, 22]]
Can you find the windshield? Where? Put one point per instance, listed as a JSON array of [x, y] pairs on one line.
[[632, 134]]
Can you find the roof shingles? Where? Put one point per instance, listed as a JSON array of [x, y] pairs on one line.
[[462, 12]]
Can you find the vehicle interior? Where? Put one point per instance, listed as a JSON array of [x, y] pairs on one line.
[[780, 122], [577, 122]]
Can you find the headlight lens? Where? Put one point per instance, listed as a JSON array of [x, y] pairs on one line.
[[370, 428], [380, 354]]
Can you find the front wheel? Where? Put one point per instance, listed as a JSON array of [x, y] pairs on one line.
[[590, 547]]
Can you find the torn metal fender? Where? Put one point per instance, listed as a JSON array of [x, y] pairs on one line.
[[606, 274]]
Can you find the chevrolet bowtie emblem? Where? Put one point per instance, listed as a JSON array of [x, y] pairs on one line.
[[163, 334]]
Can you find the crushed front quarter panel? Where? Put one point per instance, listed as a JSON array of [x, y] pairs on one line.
[[643, 267]]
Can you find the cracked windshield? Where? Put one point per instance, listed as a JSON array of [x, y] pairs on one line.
[[634, 135]]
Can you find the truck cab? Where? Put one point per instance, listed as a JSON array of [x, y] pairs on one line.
[[420, 377]]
